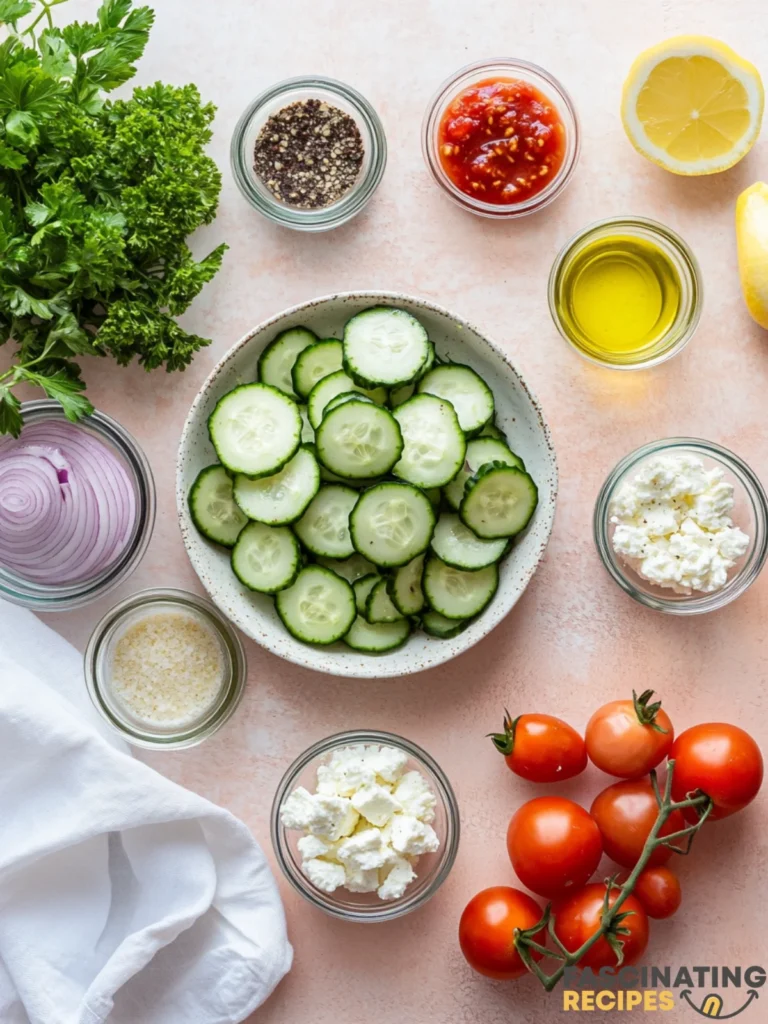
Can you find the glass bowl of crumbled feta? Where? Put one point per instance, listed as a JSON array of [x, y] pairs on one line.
[[680, 524], [365, 825]]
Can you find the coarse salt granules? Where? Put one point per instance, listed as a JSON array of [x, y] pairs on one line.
[[168, 668]]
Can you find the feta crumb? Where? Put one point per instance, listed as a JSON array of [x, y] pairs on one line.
[[311, 847], [415, 796], [411, 836], [330, 816], [375, 803], [324, 875], [397, 880], [387, 762], [361, 880], [365, 850], [673, 524]]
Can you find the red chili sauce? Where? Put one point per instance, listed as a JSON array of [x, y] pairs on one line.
[[501, 141]]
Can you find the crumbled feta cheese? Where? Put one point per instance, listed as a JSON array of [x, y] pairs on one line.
[[375, 803], [324, 874], [365, 850], [397, 880], [673, 524], [315, 846], [415, 796], [411, 836], [366, 824]]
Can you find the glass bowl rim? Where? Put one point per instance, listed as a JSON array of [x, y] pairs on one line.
[[670, 237], [374, 913], [75, 595], [353, 201], [184, 738], [740, 581], [527, 70]]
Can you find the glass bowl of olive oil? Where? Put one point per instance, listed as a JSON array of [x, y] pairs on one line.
[[626, 293]]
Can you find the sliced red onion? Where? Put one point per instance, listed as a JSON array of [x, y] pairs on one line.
[[67, 504]]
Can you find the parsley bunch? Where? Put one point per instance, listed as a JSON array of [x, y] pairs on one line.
[[97, 198]]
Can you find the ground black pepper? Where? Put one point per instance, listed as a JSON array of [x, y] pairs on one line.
[[309, 154]]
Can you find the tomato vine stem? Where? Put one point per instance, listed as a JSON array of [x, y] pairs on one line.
[[612, 917]]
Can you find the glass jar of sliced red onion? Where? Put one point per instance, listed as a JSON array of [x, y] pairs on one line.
[[77, 507]]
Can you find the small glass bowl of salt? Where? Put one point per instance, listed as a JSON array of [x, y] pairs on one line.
[[165, 669]]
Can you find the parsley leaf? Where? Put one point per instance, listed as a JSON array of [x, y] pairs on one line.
[[97, 200]]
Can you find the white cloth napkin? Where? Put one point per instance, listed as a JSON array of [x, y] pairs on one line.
[[123, 897]]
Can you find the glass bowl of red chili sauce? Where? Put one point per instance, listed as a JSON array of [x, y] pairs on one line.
[[501, 138]]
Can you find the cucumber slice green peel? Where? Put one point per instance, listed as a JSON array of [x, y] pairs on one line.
[[499, 501], [213, 508]]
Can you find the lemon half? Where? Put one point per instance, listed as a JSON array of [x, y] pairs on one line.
[[692, 105], [752, 243]]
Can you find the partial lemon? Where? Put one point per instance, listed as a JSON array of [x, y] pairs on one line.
[[752, 244], [692, 105]]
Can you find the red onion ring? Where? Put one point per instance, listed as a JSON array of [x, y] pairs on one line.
[[67, 504]]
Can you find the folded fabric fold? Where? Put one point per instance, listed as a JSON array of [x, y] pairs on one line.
[[123, 897]]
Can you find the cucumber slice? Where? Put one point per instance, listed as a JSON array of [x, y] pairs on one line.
[[315, 362], [491, 430], [324, 527], [458, 547], [465, 390], [455, 593], [359, 440], [350, 569], [319, 608], [331, 386], [281, 498], [213, 507], [480, 451], [434, 445], [266, 558], [307, 431], [255, 430], [392, 523], [435, 624], [499, 501], [328, 477], [384, 346], [400, 395], [347, 396], [405, 587], [379, 606], [376, 639], [362, 589], [277, 359]]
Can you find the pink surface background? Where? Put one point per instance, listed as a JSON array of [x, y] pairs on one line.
[[574, 640]]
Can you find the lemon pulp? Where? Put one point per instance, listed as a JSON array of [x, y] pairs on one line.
[[618, 297]]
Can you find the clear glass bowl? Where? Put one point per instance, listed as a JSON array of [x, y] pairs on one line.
[[98, 661], [63, 597], [503, 68], [688, 273], [750, 514], [431, 870], [275, 98]]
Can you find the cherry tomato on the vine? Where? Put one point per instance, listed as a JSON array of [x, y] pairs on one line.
[[658, 889], [553, 845], [720, 760], [625, 813], [577, 917], [629, 737], [487, 931], [541, 748]]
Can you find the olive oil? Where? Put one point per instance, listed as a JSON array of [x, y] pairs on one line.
[[617, 298]]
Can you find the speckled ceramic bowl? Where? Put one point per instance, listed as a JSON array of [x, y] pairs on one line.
[[517, 414]]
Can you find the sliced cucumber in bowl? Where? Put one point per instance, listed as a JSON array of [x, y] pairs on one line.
[[255, 429], [385, 347], [318, 608], [499, 501], [359, 440], [465, 390], [278, 358], [457, 546], [456, 593], [324, 527], [433, 442], [213, 508], [266, 558], [377, 638], [405, 587], [282, 498], [480, 451], [392, 523], [332, 386], [318, 360], [379, 606]]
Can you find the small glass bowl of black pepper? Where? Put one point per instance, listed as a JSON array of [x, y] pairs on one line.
[[309, 153]]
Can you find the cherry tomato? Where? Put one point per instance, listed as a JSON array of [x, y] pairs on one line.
[[658, 889], [722, 761], [577, 917], [487, 931], [625, 814], [553, 844], [629, 737], [541, 748]]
